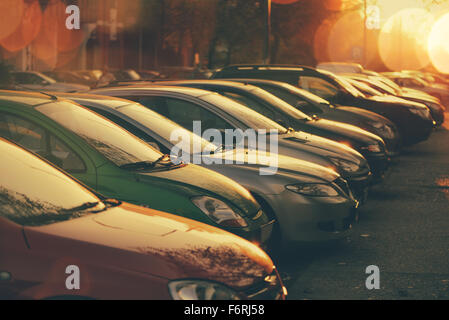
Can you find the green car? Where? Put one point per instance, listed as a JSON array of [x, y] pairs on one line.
[[119, 165]]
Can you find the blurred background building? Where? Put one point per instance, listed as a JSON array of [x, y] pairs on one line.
[[148, 34]]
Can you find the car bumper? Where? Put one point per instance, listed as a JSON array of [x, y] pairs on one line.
[[259, 232], [379, 165], [417, 131], [360, 186], [313, 219]]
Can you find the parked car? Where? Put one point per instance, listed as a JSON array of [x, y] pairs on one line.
[[120, 251], [304, 214], [437, 110], [218, 112], [119, 165], [440, 91], [318, 108], [340, 67], [413, 120], [70, 77], [33, 80], [369, 145]]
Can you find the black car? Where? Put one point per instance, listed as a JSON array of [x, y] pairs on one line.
[[386, 87], [369, 145], [317, 107], [413, 120]]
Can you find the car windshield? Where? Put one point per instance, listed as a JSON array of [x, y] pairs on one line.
[[34, 193], [348, 87], [244, 114], [166, 128], [364, 88], [280, 104], [113, 142]]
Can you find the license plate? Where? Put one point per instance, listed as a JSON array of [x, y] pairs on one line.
[[265, 232]]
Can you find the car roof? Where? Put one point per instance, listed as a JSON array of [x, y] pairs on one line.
[[111, 101], [155, 87], [219, 82], [279, 67], [25, 98]]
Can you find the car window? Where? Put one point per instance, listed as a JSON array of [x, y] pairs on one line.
[[293, 99], [165, 128], [249, 117], [113, 142], [127, 126], [40, 141], [185, 113], [318, 86], [33, 193], [28, 78], [250, 103]]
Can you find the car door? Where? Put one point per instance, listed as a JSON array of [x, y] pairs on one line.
[[52, 146]]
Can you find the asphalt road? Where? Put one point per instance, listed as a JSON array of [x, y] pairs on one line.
[[404, 230]]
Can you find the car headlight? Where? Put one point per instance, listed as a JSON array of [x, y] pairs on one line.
[[200, 290], [219, 212], [373, 148], [313, 190], [345, 165], [422, 112]]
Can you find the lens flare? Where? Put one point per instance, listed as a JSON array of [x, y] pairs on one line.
[[438, 45], [346, 40], [28, 29], [403, 39]]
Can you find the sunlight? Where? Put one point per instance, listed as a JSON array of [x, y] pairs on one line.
[[438, 46], [403, 39]]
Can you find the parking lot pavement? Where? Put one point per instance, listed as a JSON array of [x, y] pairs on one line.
[[404, 230]]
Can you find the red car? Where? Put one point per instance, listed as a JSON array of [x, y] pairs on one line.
[[60, 240]]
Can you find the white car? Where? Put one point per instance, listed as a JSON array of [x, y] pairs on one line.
[[36, 81]]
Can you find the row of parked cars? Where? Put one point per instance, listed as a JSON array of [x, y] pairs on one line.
[[91, 180]]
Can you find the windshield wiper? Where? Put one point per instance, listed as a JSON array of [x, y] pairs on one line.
[[84, 207], [148, 164]]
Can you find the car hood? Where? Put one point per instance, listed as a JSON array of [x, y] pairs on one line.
[[323, 146], [135, 239], [397, 101], [346, 131], [411, 93], [363, 114], [194, 180], [285, 165]]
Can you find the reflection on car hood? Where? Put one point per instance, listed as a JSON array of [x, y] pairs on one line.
[[135, 239], [397, 101], [255, 160], [194, 180], [349, 131]]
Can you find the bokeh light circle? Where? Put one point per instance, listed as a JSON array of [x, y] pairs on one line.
[[11, 12], [438, 44], [403, 40], [28, 29]]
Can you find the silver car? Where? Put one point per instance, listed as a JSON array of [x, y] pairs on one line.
[[310, 202]]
